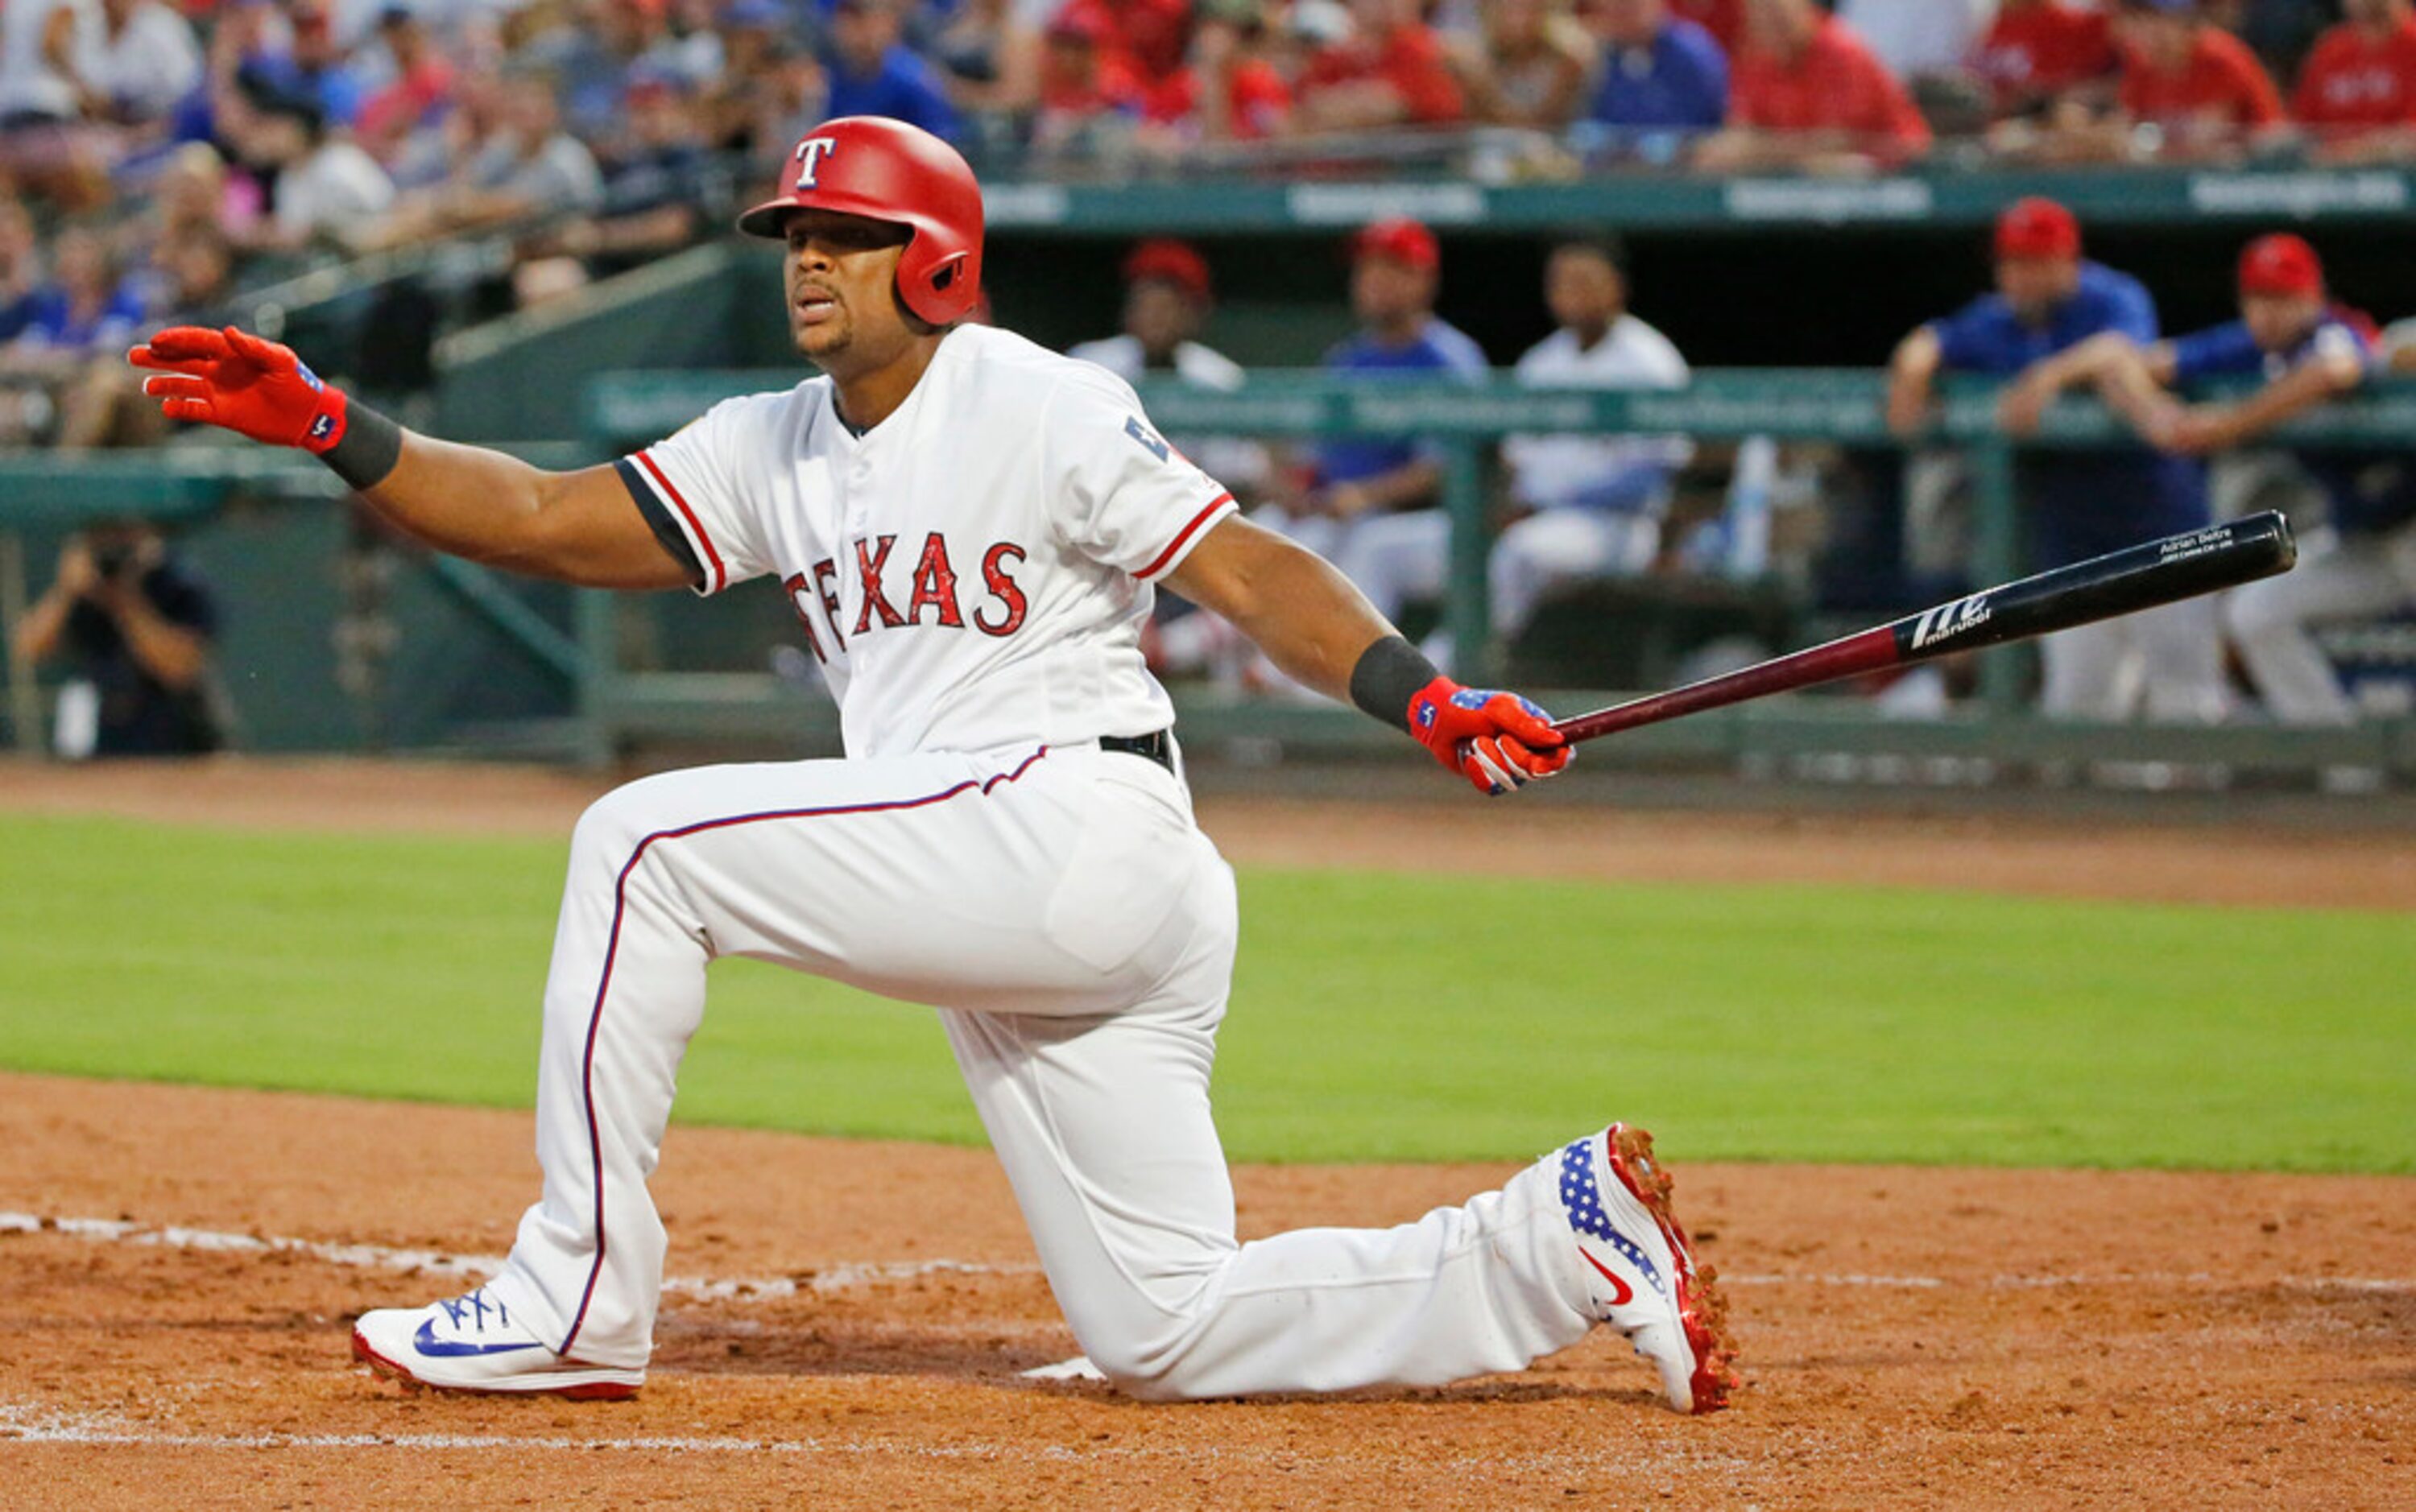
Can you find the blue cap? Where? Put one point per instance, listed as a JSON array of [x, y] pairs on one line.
[[762, 13]]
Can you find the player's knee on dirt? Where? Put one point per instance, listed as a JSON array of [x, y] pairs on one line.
[[1143, 1332], [1150, 1371]]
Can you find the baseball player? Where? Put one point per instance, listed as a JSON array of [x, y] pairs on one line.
[[1167, 295], [1395, 268], [2051, 301], [2308, 349], [1589, 506], [969, 529]]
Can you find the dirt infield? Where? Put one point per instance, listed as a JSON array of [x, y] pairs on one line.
[[851, 1319]]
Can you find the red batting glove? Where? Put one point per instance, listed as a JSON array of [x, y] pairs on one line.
[[250, 385], [1497, 740]]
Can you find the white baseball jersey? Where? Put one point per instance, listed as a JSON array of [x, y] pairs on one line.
[[1553, 470], [973, 571], [1244, 464]]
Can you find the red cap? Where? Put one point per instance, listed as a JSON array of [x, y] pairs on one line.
[[1175, 262], [2281, 264], [1401, 239], [2037, 227]]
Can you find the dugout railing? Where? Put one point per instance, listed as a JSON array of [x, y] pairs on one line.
[[1840, 407], [616, 705]]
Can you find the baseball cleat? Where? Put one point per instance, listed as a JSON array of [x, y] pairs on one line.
[[470, 1343], [1641, 1276]]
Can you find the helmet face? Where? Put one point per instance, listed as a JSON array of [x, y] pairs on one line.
[[885, 169]]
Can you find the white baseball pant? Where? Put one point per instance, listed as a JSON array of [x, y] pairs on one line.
[[1076, 932], [1398, 559], [2167, 661], [2338, 578]]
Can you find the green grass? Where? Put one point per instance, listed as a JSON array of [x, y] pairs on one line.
[[1376, 1016]]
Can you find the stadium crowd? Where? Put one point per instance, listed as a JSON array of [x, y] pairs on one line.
[[250, 132]]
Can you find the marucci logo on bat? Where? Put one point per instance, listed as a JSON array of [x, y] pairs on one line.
[[1949, 619]]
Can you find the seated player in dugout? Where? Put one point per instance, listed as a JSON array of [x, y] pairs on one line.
[[2307, 350], [1396, 272], [970, 529], [2050, 300], [1582, 507], [1169, 292], [132, 625]]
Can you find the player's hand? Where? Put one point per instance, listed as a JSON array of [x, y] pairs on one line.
[[1498, 741], [79, 574], [230, 378], [2186, 432], [1341, 500], [2020, 406]]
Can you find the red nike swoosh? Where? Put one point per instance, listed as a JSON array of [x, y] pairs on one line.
[[1625, 1296]]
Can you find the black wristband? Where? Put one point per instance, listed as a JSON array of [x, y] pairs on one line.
[[1388, 675], [369, 449]]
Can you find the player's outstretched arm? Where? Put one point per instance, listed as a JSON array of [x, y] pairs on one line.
[[1912, 377], [2026, 398], [1323, 632], [2195, 429], [578, 527]]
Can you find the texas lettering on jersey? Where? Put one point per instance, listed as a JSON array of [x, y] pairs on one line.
[[997, 611], [972, 571]]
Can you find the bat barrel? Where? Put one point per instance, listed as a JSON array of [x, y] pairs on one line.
[[2138, 577], [2121, 582]]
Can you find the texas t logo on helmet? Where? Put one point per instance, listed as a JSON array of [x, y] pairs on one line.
[[810, 152], [885, 169]]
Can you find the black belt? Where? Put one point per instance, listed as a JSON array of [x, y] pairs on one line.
[[1159, 746]]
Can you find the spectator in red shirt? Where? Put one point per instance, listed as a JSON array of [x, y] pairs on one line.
[[1228, 91], [2196, 82], [1142, 38], [1390, 71], [2038, 51], [1089, 94], [2357, 93], [1806, 93]]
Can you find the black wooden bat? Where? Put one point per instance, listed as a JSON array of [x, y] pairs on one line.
[[2121, 582]]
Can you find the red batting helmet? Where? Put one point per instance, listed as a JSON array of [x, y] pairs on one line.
[[885, 169]]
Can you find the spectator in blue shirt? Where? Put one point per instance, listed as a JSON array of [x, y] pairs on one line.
[[2306, 351], [86, 308], [1396, 267], [2050, 302], [1659, 73], [873, 73], [317, 65]]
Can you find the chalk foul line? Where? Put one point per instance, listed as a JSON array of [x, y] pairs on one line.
[[855, 1274], [843, 1276], [30, 1425]]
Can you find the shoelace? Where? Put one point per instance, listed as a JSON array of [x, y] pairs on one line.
[[476, 1305]]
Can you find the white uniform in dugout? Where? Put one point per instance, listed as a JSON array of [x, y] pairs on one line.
[[1008, 839]]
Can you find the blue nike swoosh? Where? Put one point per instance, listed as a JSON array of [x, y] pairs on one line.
[[428, 1343]]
